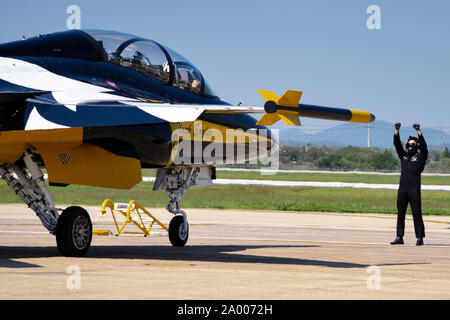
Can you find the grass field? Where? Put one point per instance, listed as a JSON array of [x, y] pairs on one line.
[[329, 177], [249, 197], [321, 177]]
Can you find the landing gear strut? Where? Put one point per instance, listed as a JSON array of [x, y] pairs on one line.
[[176, 181], [73, 228]]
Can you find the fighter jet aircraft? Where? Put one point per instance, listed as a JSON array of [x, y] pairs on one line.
[[94, 107]]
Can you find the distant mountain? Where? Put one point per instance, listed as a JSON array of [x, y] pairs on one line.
[[381, 135]]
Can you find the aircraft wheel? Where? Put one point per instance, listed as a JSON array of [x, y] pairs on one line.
[[74, 232], [177, 235]]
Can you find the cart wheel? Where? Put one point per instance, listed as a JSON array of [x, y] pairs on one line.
[[177, 235], [74, 232]]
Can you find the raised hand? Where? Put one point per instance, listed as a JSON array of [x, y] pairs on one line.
[[397, 125], [416, 126]]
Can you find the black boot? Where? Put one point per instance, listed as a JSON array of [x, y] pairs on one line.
[[398, 240], [419, 242]]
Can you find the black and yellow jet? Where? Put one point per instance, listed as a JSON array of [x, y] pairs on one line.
[[94, 107]]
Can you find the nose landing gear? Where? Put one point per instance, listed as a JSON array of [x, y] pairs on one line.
[[176, 181], [178, 231]]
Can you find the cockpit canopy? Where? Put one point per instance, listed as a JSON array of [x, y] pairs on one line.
[[151, 58], [129, 51]]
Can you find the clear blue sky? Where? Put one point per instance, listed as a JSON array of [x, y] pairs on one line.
[[322, 47]]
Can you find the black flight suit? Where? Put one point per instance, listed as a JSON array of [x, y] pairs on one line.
[[409, 189]]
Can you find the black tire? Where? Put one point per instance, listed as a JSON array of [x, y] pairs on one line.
[[74, 232], [177, 237]]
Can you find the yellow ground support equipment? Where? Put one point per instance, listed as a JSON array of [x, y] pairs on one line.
[[134, 213]]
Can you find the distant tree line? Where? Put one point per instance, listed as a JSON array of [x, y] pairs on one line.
[[440, 161], [354, 158], [351, 158]]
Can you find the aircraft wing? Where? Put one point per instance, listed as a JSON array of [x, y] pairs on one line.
[[45, 112], [53, 101]]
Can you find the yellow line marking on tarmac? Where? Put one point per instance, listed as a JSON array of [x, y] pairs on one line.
[[286, 240], [262, 240], [325, 242], [394, 217], [20, 224], [337, 214], [320, 241], [17, 231], [171, 265]]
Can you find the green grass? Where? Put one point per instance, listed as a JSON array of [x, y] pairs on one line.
[[329, 177], [321, 177], [249, 197], [262, 197]]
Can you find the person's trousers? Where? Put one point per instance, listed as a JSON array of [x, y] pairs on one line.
[[414, 199]]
